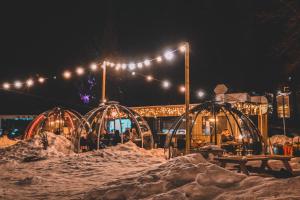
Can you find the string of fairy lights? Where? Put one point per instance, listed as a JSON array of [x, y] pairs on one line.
[[133, 67]]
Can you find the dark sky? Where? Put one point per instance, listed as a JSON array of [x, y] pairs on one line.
[[228, 45]]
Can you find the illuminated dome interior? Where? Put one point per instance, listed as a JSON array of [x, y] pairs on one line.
[[213, 123], [111, 119], [59, 121]]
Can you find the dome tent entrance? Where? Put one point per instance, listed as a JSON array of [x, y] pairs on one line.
[[214, 123], [112, 123], [59, 121]]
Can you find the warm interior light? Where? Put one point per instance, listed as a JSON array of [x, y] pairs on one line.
[[41, 80]]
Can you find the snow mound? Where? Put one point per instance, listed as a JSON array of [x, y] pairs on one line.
[[192, 177], [27, 150]]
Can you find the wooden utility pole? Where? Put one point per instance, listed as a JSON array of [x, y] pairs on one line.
[[187, 98]]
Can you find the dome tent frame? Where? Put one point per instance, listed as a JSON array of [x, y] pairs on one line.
[[233, 117], [94, 120], [61, 118]]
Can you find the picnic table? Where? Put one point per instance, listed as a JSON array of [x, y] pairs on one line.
[[242, 160]]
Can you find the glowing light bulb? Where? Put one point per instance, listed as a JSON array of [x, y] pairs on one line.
[[140, 65], [6, 86], [182, 89], [112, 64], [93, 66], [159, 59], [29, 82], [124, 66], [166, 84], [18, 84], [200, 94], [149, 78], [133, 73], [41, 80], [182, 48], [80, 71], [147, 62], [67, 74], [169, 55], [131, 66]]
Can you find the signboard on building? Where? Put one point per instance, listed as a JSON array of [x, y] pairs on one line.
[[283, 106]]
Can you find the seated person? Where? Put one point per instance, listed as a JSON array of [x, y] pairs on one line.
[[226, 138]]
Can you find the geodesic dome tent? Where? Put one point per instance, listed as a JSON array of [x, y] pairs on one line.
[[103, 124], [214, 124], [59, 121]]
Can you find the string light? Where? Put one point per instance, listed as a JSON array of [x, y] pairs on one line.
[[124, 66], [131, 66], [149, 78], [29, 82], [41, 80], [133, 73], [169, 55], [93, 66], [6, 86], [200, 94], [147, 62], [166, 84], [140, 65], [112, 64], [182, 48], [182, 89], [159, 59], [18, 84], [67, 74], [80, 71]]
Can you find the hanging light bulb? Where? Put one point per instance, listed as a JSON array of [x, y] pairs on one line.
[[80, 71], [159, 59], [200, 94], [124, 66], [93, 66], [182, 89], [149, 78], [131, 66], [169, 55], [67, 74], [140, 65], [18, 84], [29, 82], [147, 62], [182, 48], [6, 86], [41, 80], [133, 73], [166, 84]]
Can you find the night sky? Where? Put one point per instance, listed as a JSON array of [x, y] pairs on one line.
[[229, 44]]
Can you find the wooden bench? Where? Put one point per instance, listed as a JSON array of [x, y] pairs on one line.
[[242, 160]]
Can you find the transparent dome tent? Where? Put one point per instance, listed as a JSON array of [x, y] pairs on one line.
[[214, 124], [59, 121], [112, 123]]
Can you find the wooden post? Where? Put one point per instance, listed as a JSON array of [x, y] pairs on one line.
[[187, 98], [103, 83]]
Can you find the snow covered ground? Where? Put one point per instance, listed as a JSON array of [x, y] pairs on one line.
[[126, 172]]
